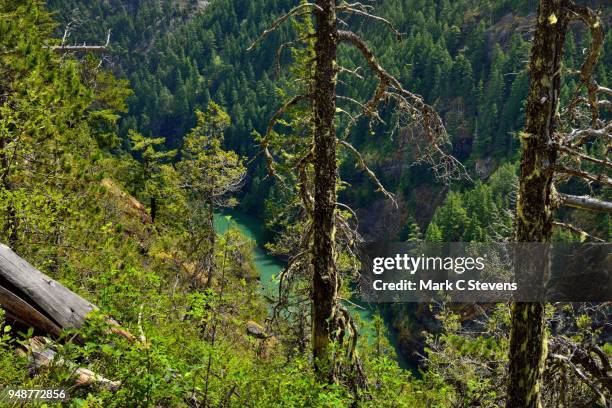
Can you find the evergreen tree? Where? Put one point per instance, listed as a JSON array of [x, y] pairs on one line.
[[210, 173], [152, 160]]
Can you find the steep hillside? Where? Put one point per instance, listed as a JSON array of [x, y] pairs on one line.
[[117, 193], [467, 57]]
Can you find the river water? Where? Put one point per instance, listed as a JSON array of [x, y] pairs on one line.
[[269, 267]]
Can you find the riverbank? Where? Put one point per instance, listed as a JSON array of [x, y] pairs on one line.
[[269, 267]]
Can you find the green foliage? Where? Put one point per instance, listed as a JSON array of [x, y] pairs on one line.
[[205, 168], [473, 363], [69, 196], [480, 214], [154, 175], [179, 68]]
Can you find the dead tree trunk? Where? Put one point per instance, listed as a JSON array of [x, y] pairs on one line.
[[325, 281], [330, 320], [535, 207], [551, 132]]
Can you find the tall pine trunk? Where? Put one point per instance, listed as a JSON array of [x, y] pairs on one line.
[[209, 262], [535, 207], [325, 281]]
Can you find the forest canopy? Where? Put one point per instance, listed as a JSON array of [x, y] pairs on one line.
[[136, 137]]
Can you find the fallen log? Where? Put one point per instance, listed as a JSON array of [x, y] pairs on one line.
[[59, 304], [35, 300], [18, 310]]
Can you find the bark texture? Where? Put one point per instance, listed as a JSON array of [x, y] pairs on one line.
[[33, 299], [58, 304], [585, 203], [325, 280], [535, 205]]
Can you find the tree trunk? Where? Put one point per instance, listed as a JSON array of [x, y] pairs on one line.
[[20, 311], [35, 300], [210, 249], [535, 205], [325, 281], [153, 202]]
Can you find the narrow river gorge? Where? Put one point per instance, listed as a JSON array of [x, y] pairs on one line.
[[268, 267]]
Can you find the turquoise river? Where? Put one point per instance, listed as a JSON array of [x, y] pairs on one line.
[[268, 266]]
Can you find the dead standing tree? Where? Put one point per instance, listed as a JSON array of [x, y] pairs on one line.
[[553, 152], [331, 323]]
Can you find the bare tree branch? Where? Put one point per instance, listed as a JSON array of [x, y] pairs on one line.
[[592, 372], [596, 178], [576, 230], [354, 72], [281, 111], [265, 141], [369, 172], [581, 155], [594, 24], [580, 375], [349, 209], [80, 48], [585, 203], [579, 137], [384, 76], [411, 106], [352, 100], [362, 11], [301, 9], [604, 90]]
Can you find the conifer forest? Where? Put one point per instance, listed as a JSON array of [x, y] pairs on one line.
[[189, 188]]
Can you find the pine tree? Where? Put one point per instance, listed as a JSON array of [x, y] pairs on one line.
[[210, 173], [152, 160], [433, 233], [43, 107]]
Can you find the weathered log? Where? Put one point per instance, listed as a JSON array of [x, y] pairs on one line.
[[78, 48], [18, 310], [35, 300], [59, 304]]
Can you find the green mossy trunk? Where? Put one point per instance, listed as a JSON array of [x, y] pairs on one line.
[[209, 262], [325, 280], [535, 206]]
